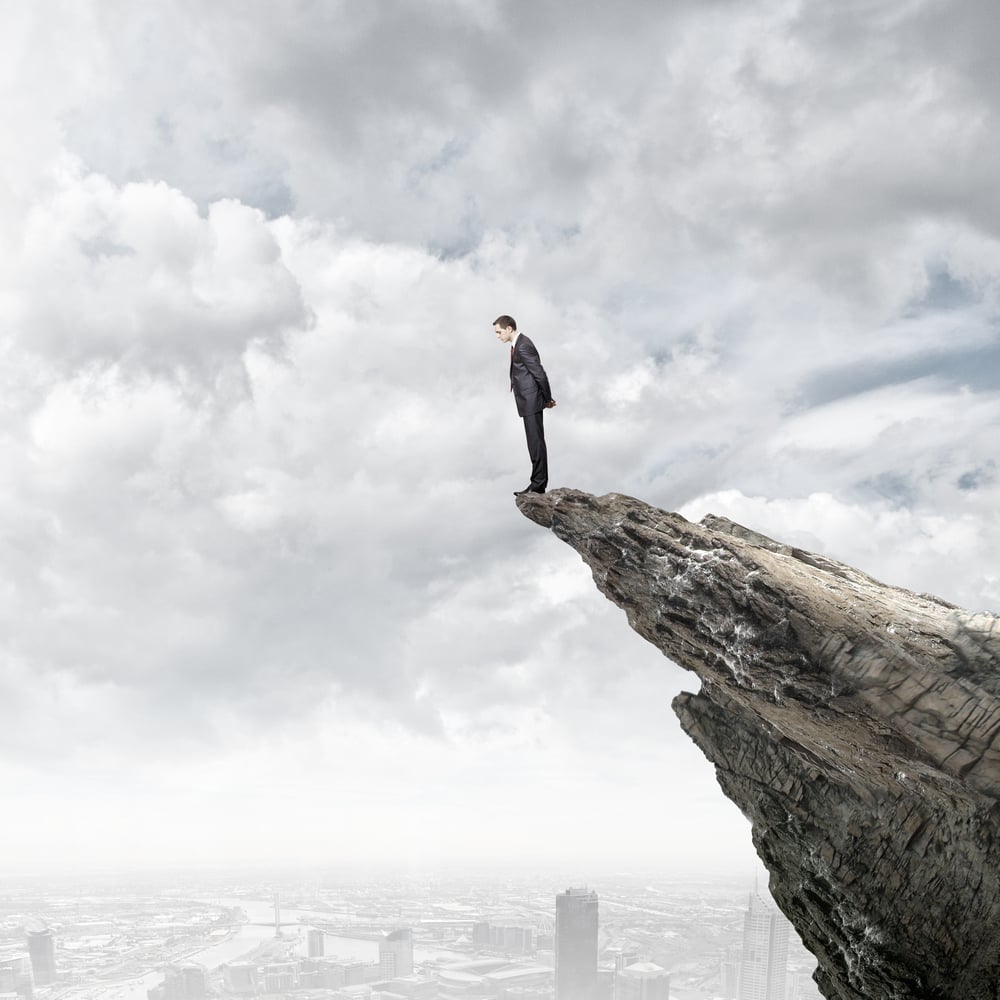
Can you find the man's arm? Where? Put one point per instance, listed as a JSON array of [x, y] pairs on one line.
[[531, 360]]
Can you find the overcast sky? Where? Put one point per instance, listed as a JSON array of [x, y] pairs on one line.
[[265, 594]]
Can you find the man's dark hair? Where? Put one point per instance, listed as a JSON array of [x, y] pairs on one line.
[[504, 321]]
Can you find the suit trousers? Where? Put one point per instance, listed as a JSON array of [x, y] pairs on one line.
[[534, 431]]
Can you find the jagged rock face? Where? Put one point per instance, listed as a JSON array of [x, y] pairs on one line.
[[854, 723]]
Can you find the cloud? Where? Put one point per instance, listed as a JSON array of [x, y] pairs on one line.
[[256, 444], [144, 281], [255, 454]]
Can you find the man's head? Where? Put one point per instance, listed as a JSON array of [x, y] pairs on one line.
[[506, 328]]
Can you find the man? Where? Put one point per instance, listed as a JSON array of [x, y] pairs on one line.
[[530, 386]]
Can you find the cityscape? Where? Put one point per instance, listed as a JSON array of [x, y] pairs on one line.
[[189, 937]]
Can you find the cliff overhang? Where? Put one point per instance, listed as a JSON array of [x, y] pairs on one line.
[[856, 725]]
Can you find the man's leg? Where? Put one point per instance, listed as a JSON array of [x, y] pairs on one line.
[[534, 431]]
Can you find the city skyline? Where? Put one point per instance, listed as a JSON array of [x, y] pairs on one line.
[[185, 940]]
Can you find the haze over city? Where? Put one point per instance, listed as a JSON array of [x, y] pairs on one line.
[[314, 934], [265, 595]]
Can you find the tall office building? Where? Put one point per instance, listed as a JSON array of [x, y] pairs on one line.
[[395, 954], [764, 965], [576, 945], [42, 950], [642, 981], [316, 943], [729, 975]]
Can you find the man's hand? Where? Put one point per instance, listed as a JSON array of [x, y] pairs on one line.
[[550, 404]]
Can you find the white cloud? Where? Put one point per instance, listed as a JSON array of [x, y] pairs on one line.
[[256, 445], [887, 420], [134, 275]]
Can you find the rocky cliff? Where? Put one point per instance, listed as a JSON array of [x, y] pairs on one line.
[[856, 725]]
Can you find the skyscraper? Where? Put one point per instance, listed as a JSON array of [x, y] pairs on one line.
[[576, 945], [316, 943], [729, 974], [764, 965], [395, 954], [42, 950]]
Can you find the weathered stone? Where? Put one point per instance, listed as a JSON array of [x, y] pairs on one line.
[[856, 724]]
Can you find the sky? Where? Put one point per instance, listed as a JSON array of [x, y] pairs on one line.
[[265, 596]]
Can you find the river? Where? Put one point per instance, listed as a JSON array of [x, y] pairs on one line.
[[249, 937]]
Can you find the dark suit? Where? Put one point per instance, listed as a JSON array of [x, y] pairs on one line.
[[530, 386]]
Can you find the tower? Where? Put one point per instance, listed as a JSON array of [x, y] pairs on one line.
[[395, 954], [576, 945], [729, 974], [764, 966], [42, 950], [316, 943]]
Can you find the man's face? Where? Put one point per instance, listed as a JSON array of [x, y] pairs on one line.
[[504, 333]]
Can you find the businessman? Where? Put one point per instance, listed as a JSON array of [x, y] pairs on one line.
[[530, 386]]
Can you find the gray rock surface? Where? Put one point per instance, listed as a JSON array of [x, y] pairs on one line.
[[855, 724]]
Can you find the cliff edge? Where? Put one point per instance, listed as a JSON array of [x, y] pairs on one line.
[[857, 725]]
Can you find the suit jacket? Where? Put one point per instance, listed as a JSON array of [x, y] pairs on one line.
[[528, 379]]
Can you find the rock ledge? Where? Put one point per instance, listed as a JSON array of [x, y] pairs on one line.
[[856, 724]]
